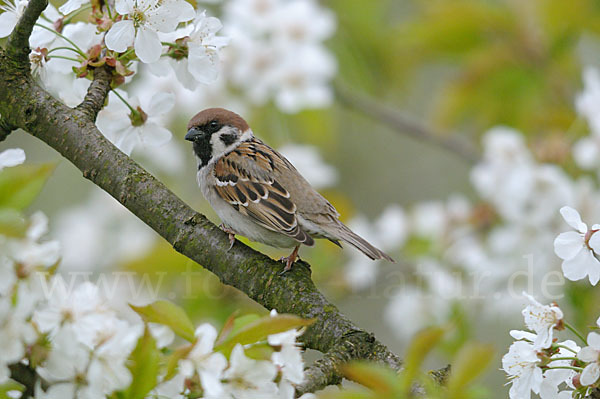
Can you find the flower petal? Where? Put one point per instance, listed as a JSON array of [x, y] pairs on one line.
[[594, 242], [588, 354], [8, 20], [120, 36], [593, 339], [70, 6], [580, 266], [590, 374], [11, 157], [573, 219], [161, 103], [526, 335], [567, 245], [153, 135], [147, 45], [124, 7], [203, 65]]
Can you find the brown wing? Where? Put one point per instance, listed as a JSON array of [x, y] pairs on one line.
[[246, 180]]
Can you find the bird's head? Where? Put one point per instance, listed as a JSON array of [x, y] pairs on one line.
[[215, 132]]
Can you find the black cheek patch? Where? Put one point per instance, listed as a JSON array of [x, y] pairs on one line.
[[228, 139]]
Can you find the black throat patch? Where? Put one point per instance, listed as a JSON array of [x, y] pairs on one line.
[[202, 149]]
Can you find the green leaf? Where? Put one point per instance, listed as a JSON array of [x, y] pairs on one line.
[[169, 314], [376, 377], [12, 223], [20, 185], [419, 348], [10, 385], [259, 351], [241, 322], [144, 367], [227, 328], [470, 362], [258, 330]]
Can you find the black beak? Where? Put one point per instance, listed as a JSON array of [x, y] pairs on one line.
[[193, 134]]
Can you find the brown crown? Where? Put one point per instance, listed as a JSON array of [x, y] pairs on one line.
[[221, 115]]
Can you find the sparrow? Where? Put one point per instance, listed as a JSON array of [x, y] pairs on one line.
[[258, 193]]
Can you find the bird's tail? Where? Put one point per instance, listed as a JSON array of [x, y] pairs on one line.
[[361, 244]]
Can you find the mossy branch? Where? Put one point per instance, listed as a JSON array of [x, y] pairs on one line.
[[17, 47], [96, 93], [5, 129], [73, 134]]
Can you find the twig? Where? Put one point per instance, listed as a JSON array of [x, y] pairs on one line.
[[96, 93], [17, 47], [26, 376], [405, 124]]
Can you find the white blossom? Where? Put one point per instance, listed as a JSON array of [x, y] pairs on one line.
[[542, 319], [577, 248], [70, 6], [107, 371], [591, 355], [248, 378], [203, 59], [145, 18], [288, 356], [127, 129], [521, 363], [588, 102], [12, 10], [11, 157], [554, 377], [208, 364]]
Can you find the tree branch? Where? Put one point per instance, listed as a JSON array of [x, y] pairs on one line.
[[404, 124], [96, 93], [28, 106], [18, 41], [326, 371], [5, 129]]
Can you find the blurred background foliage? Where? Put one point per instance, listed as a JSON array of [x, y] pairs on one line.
[[459, 67]]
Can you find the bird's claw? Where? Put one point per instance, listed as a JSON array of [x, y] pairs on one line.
[[288, 264], [289, 261], [231, 234]]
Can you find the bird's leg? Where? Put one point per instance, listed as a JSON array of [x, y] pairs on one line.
[[231, 233], [289, 260]]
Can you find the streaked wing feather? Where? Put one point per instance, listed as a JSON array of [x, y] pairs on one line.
[[245, 180]]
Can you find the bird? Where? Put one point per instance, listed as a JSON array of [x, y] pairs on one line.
[[258, 193]]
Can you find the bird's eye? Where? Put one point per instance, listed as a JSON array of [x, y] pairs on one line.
[[212, 127]]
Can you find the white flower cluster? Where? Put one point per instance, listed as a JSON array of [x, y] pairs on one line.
[[86, 344], [242, 376], [64, 52], [277, 51], [578, 248], [538, 363], [20, 290], [90, 343], [488, 249], [586, 151]]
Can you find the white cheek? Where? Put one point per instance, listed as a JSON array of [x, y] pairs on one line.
[[217, 145], [219, 148]]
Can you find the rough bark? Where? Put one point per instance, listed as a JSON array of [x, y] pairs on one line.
[[72, 132]]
